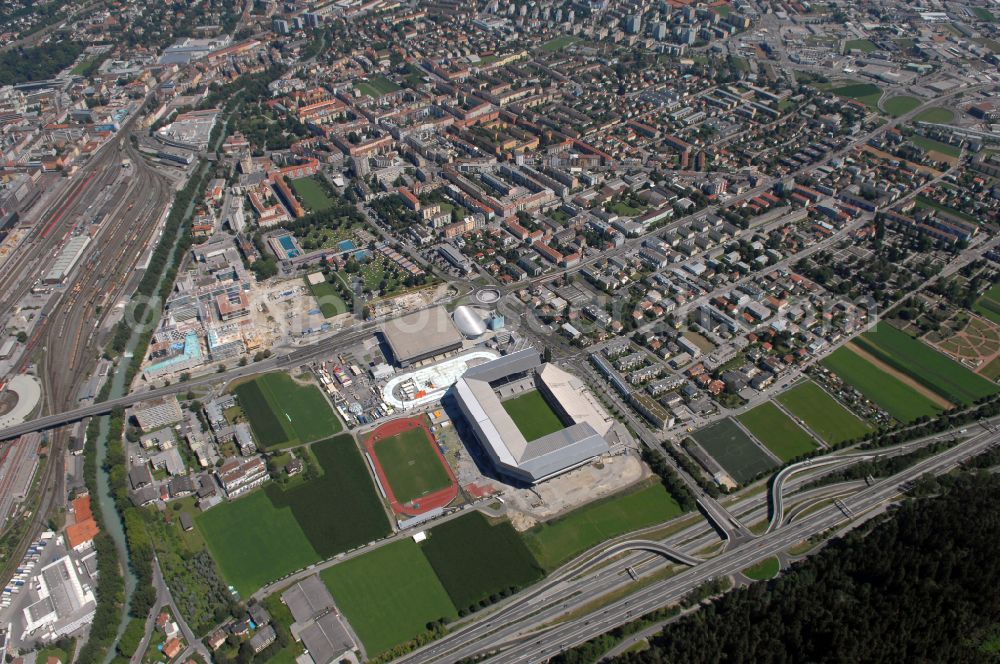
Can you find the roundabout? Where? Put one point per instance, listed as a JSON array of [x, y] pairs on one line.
[[486, 296]]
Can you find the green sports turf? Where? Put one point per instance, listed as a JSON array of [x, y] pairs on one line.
[[823, 414], [558, 44], [283, 413], [312, 193], [983, 14], [533, 415], [926, 365], [557, 541], [937, 146], [935, 115], [734, 450], [862, 45], [253, 542], [777, 431], [475, 560], [898, 399], [388, 594], [330, 302], [897, 106], [260, 537], [866, 93], [376, 86], [411, 465]]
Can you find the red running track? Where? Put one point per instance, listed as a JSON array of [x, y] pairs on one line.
[[429, 502]]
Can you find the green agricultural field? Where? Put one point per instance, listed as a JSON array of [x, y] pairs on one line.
[[330, 302], [931, 145], [253, 542], [476, 560], [866, 93], [927, 366], [936, 115], [352, 512], [557, 541], [376, 86], [558, 44], [533, 415], [777, 431], [388, 594], [283, 413], [764, 570], [312, 193], [900, 400], [861, 45], [263, 536], [897, 106], [823, 414], [734, 450], [411, 465], [988, 306]]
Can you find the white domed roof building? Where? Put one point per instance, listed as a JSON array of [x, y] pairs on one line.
[[468, 322]]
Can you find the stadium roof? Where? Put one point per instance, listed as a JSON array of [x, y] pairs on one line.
[[537, 459], [421, 335]]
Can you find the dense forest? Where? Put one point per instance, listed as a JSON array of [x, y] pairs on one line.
[[22, 65], [917, 586]]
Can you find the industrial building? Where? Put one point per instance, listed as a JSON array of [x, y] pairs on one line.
[[479, 392], [158, 413], [65, 600], [67, 259], [421, 335]]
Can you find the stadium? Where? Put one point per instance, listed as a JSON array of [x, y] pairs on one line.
[[533, 419]]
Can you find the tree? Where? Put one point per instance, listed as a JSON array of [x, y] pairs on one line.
[[22, 336]]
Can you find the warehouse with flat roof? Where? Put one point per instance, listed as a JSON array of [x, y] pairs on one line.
[[67, 259], [421, 335], [586, 423]]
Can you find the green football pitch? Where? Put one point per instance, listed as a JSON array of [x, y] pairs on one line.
[[777, 431], [261, 537], [388, 594], [283, 413], [823, 414], [411, 465], [533, 415]]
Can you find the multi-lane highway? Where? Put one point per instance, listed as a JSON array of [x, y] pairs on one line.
[[529, 630]]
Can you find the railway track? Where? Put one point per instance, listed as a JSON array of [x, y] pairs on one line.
[[69, 335]]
